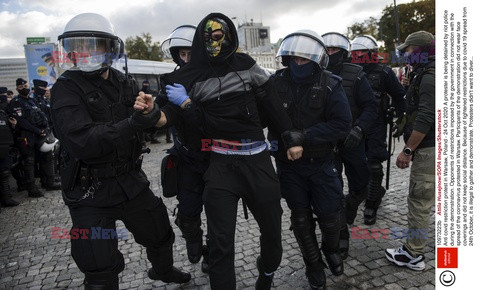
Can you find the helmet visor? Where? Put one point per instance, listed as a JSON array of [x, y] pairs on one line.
[[336, 40], [180, 37], [363, 43], [88, 53], [304, 46]]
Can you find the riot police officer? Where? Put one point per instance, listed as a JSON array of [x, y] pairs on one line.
[[319, 110], [351, 151], [388, 92], [192, 162], [32, 128], [102, 180], [6, 141], [45, 158]]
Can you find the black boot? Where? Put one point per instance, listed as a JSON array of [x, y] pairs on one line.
[[161, 258], [193, 235], [303, 226], [5, 191], [101, 281], [29, 175], [330, 225], [205, 252], [264, 282], [352, 201], [174, 275], [375, 193]]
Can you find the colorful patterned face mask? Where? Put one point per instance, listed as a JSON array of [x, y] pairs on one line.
[[214, 37]]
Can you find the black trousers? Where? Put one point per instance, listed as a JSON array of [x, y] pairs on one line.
[[145, 217], [252, 178]]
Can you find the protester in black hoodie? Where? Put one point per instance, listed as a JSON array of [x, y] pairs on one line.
[[226, 91]]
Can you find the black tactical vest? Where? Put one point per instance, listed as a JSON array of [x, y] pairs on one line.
[[413, 96], [375, 79], [108, 109], [307, 110], [33, 113], [351, 74]]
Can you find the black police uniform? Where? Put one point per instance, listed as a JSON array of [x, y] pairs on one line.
[[317, 106], [191, 164], [45, 161], [384, 83], [101, 176], [32, 123], [364, 111], [6, 141]]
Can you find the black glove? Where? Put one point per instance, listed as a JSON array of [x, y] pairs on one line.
[[140, 121], [293, 138], [399, 125], [353, 138]]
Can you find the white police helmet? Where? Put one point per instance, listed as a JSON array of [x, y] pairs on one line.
[[89, 43], [364, 42], [304, 43], [335, 39], [180, 37]]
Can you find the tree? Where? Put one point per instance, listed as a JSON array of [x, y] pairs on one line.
[[414, 16], [142, 47], [418, 15], [368, 27]]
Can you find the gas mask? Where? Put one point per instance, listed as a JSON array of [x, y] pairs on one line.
[[215, 32]]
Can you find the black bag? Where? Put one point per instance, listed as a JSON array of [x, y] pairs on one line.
[[169, 175]]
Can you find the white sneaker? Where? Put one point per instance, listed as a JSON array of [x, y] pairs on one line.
[[403, 258]]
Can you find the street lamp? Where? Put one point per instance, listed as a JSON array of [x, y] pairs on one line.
[[396, 21]]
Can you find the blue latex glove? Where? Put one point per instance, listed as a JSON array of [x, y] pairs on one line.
[[176, 94]]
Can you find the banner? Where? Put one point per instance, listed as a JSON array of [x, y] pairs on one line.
[[40, 64]]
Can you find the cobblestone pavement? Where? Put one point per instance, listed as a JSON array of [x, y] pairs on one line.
[[30, 258]]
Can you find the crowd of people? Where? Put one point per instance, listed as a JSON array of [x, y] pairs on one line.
[[324, 115], [29, 148]]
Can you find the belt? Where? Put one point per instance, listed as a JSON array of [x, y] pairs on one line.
[[111, 171], [243, 151]]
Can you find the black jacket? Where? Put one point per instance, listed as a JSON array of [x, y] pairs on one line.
[[94, 130], [324, 116]]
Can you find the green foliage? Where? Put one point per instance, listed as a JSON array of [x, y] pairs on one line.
[[414, 16], [367, 27], [142, 47]]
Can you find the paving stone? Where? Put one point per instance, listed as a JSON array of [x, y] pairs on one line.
[[29, 258]]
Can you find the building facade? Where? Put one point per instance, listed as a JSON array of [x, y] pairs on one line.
[[10, 70]]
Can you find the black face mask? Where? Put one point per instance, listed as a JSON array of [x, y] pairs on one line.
[[301, 73], [24, 92], [39, 92], [335, 59]]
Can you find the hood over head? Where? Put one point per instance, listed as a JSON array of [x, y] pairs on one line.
[[224, 47]]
